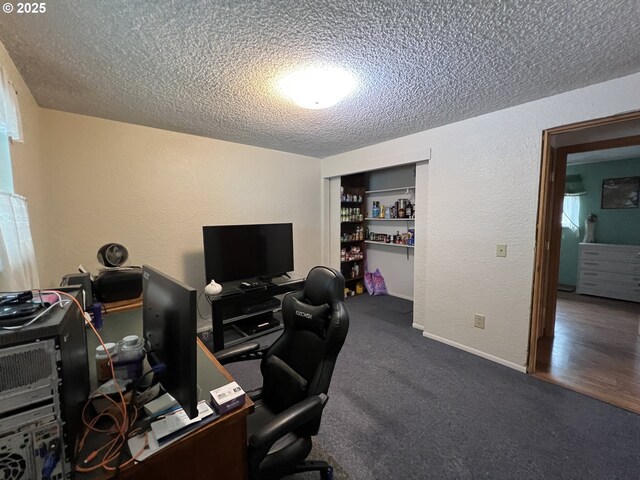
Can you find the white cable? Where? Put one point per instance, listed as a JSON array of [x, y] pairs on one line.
[[62, 303]]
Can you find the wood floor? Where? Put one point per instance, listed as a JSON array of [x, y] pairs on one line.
[[596, 349]]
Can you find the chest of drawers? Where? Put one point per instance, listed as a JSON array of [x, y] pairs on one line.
[[608, 270]]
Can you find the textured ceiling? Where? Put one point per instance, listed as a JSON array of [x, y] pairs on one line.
[[208, 67], [621, 153]]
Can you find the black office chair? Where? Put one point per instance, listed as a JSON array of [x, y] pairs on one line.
[[296, 371]]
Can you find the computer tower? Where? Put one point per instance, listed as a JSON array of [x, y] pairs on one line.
[[44, 383]]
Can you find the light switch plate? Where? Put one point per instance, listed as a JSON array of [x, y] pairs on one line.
[[478, 320]]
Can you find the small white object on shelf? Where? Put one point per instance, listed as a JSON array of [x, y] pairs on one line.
[[213, 288]]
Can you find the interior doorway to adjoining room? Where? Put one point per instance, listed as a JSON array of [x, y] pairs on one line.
[[588, 343]]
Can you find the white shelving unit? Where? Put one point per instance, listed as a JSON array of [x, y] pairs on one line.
[[373, 219], [388, 257], [392, 190], [385, 244]]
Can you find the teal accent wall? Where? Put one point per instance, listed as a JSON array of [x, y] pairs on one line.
[[619, 226]]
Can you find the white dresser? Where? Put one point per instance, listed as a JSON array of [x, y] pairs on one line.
[[608, 270]]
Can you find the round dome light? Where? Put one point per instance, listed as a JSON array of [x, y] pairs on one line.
[[317, 87]]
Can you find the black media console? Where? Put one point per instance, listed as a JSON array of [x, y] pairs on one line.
[[248, 311]]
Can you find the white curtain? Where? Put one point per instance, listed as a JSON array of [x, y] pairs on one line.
[[17, 258], [571, 213], [10, 123]]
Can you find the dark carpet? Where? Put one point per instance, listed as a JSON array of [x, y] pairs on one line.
[[402, 406]]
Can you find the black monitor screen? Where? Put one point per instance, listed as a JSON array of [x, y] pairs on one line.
[[170, 323], [236, 252]]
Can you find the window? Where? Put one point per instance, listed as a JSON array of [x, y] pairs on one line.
[[17, 257], [6, 175], [571, 213]]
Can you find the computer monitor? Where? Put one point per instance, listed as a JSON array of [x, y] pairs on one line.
[[170, 323], [239, 252]]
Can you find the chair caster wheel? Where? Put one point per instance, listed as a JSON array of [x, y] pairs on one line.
[[327, 474]]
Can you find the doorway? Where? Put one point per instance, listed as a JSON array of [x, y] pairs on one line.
[[586, 343]]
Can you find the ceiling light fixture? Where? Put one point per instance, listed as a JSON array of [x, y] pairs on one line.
[[317, 87]]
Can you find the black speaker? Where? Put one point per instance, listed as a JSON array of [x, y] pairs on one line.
[[118, 285]]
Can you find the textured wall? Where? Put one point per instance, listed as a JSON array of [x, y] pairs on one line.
[[618, 226], [482, 190], [153, 190]]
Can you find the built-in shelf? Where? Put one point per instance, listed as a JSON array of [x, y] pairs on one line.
[[349, 261], [388, 244], [348, 242], [359, 277], [353, 221], [227, 321], [374, 219], [390, 190]]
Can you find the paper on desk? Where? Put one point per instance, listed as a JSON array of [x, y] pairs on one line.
[[177, 420], [137, 444], [139, 450]]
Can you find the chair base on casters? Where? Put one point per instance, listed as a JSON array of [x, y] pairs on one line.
[[326, 470]]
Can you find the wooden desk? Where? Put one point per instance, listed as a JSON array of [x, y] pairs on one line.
[[216, 451]]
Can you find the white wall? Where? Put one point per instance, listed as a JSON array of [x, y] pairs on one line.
[[153, 190], [482, 190], [420, 249]]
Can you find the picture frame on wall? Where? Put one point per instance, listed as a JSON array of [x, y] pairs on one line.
[[620, 192]]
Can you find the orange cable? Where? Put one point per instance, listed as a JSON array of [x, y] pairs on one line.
[[122, 427]]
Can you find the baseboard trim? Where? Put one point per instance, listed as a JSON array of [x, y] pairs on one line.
[[404, 297], [501, 361], [417, 326]]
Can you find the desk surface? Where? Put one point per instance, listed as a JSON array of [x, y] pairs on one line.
[[224, 439]]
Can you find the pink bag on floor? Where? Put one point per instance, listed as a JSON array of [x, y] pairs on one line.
[[374, 283]]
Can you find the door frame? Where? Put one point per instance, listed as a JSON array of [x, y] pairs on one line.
[[548, 226]]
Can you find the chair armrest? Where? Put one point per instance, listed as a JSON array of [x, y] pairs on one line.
[[255, 394], [238, 353], [288, 421]]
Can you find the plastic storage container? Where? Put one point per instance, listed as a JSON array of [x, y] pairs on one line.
[[128, 365], [103, 371]]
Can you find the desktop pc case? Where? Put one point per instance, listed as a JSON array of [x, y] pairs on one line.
[[44, 383]]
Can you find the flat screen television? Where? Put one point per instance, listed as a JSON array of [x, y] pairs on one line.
[[240, 252], [170, 321]]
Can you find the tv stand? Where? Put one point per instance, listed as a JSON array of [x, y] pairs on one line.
[[241, 305], [269, 279]]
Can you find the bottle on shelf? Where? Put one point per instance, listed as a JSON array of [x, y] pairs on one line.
[[375, 210]]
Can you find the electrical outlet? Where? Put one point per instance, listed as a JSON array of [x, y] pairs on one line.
[[501, 250], [478, 321]]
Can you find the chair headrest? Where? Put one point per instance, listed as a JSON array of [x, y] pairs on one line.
[[324, 285]]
